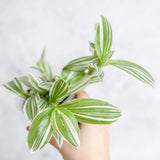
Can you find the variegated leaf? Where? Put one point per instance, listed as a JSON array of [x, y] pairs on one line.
[[106, 57], [31, 106], [107, 36], [96, 74], [92, 111], [103, 54], [66, 125], [72, 77], [43, 104], [44, 67], [81, 64], [58, 91], [15, 87], [92, 48], [45, 85], [79, 85], [98, 42], [36, 84], [133, 69], [58, 138], [40, 131]]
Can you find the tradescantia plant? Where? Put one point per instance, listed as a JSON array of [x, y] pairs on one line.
[[48, 100]]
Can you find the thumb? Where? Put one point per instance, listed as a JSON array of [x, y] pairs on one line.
[[82, 94]]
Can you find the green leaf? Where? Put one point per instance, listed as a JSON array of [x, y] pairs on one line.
[[96, 74], [15, 87], [31, 106], [72, 77], [92, 111], [58, 91], [66, 125], [133, 69], [44, 67], [25, 81], [36, 84], [81, 64], [58, 138], [107, 35], [79, 85], [92, 48], [43, 104], [105, 53], [106, 58], [98, 42], [40, 131], [45, 85]]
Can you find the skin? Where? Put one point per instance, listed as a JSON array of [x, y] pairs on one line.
[[94, 141]]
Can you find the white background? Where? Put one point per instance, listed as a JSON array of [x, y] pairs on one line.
[[64, 27]]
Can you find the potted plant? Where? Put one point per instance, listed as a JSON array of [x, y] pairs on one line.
[[48, 100]]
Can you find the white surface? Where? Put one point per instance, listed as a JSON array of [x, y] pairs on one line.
[[64, 28]]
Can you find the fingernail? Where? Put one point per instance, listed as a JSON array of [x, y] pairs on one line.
[[27, 128]]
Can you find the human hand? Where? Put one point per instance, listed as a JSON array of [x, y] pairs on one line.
[[94, 141]]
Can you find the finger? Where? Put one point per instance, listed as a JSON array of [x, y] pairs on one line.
[[54, 143], [82, 94]]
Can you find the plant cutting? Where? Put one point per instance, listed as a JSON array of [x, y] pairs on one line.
[[48, 100]]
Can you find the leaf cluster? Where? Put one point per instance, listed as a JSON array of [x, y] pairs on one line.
[[47, 101]]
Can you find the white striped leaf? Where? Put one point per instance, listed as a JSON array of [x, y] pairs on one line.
[[107, 36], [58, 138], [72, 77], [66, 125], [25, 81], [79, 85], [43, 104], [133, 69], [15, 87], [81, 64], [97, 74], [34, 81], [31, 106], [36, 84], [98, 42], [40, 131], [104, 53], [92, 111], [45, 85], [106, 57], [58, 91], [44, 67]]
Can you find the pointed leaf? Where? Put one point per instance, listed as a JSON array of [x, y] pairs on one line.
[[98, 42], [66, 125], [15, 87], [43, 104], [40, 131], [45, 85], [107, 35], [58, 91], [31, 106], [72, 77], [92, 111], [133, 69], [96, 75], [44, 67], [79, 85], [106, 58], [36, 84], [92, 48], [81, 64]]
